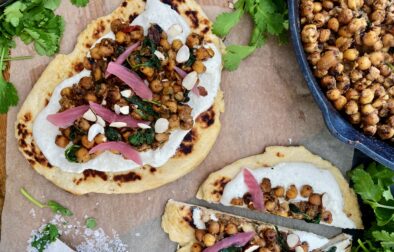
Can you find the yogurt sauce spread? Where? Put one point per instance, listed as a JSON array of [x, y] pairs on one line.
[[44, 132], [299, 174]]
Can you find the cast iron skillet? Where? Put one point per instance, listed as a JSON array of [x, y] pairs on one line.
[[336, 123]]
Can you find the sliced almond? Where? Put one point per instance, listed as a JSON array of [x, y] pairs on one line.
[[252, 248], [100, 121], [299, 249], [90, 116], [175, 30], [161, 125], [118, 124], [126, 93], [94, 130], [125, 110], [183, 54], [143, 126], [104, 102], [293, 240], [190, 80], [117, 109], [159, 55]]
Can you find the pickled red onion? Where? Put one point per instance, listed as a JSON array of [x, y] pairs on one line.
[[67, 118], [238, 240], [131, 79], [126, 150], [124, 56], [254, 190]]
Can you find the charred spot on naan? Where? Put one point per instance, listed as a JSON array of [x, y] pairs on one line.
[[197, 21], [189, 140], [207, 118], [219, 185], [98, 32], [127, 177], [86, 174]]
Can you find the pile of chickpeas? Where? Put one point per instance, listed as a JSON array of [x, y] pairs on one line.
[[350, 46], [170, 97], [277, 200], [266, 238]]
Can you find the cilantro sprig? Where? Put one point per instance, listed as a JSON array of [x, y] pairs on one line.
[[53, 205], [34, 22], [373, 184], [269, 18], [42, 239]]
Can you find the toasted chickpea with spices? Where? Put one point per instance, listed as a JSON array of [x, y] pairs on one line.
[[231, 229], [209, 240], [367, 96], [97, 74], [370, 130], [333, 94], [345, 16], [370, 38], [309, 33], [90, 97], [324, 35], [199, 234], [333, 24], [385, 132], [371, 119], [237, 201], [193, 40], [306, 191], [199, 67], [315, 199], [328, 5], [62, 141], [327, 217], [66, 92], [264, 250], [376, 58], [165, 44], [340, 103], [162, 137], [388, 40], [279, 191], [291, 192], [86, 143], [120, 37], [86, 83], [148, 71], [196, 247], [317, 7], [100, 138], [367, 109], [355, 118], [156, 86], [364, 63], [270, 205], [82, 155], [176, 44], [320, 19], [351, 107], [213, 227], [265, 185], [95, 53], [83, 124], [350, 54]]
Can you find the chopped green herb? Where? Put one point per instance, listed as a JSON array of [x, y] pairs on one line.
[[48, 235], [373, 185], [281, 240], [332, 249], [91, 223], [69, 153], [307, 218], [141, 137], [269, 17], [145, 108], [8, 94], [112, 134], [80, 3], [191, 59], [53, 205]]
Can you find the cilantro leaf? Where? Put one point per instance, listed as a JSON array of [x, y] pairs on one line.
[[235, 54], [385, 238], [226, 21], [8, 94], [52, 4], [91, 223], [364, 185], [53, 205], [48, 235], [13, 13], [80, 3], [142, 137], [57, 208]]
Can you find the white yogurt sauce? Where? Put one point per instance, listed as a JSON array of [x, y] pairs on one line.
[[299, 174], [45, 133]]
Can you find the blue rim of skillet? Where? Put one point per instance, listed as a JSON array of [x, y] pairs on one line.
[[336, 123]]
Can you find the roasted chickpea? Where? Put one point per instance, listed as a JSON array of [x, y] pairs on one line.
[[315, 199], [279, 191], [309, 33], [62, 141], [355, 118], [237, 201], [176, 44], [66, 92], [265, 185], [291, 192], [120, 37], [193, 40], [83, 124], [90, 97], [306, 191], [370, 38], [327, 217], [172, 106], [345, 16], [376, 58], [199, 67], [370, 130], [86, 83], [82, 155], [340, 103], [86, 143], [147, 71], [196, 247], [317, 7], [162, 137], [213, 227], [165, 44], [350, 54], [324, 35], [367, 109], [385, 132], [95, 53], [351, 107], [199, 234], [209, 240], [100, 138], [333, 94], [231, 229], [364, 63], [371, 119], [270, 205], [367, 96], [333, 24], [328, 5]]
